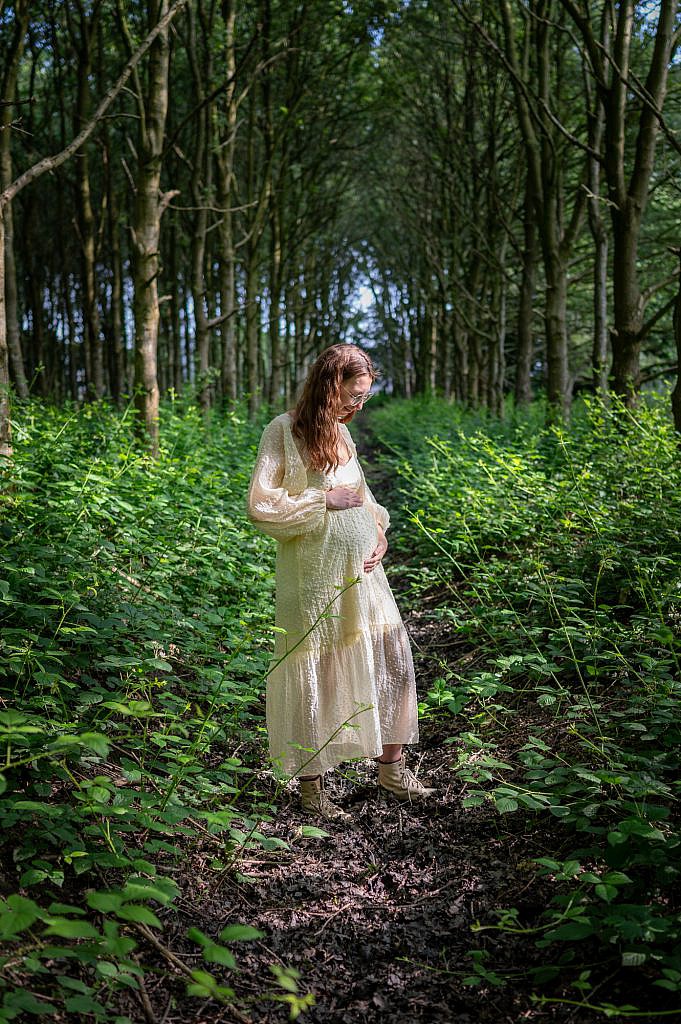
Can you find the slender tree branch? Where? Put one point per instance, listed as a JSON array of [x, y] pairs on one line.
[[659, 286], [50, 163], [649, 324]]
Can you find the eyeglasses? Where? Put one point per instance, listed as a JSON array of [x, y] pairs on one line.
[[356, 400]]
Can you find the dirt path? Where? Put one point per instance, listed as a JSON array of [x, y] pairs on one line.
[[377, 916]]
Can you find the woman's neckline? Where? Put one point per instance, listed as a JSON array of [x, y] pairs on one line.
[[347, 462]]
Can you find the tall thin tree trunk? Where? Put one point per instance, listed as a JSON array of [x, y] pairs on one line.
[[275, 311], [146, 230], [5, 421], [117, 339], [676, 394], [524, 332], [557, 368], [174, 330], [495, 400], [597, 226], [7, 96], [252, 329], [201, 184], [225, 161], [34, 298], [599, 354], [251, 294], [94, 361], [70, 338]]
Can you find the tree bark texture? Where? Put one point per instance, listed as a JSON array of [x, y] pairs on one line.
[[226, 192], [94, 357], [524, 331], [676, 394], [146, 230], [7, 113]]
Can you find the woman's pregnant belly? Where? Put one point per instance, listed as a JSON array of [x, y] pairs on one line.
[[351, 536], [313, 574]]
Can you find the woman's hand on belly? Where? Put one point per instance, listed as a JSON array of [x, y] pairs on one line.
[[339, 498], [378, 552]]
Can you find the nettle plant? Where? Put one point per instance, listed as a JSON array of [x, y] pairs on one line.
[[556, 553], [133, 601]]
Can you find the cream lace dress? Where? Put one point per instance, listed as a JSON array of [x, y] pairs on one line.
[[341, 683]]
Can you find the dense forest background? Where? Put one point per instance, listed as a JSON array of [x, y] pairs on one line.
[[196, 198], [487, 194]]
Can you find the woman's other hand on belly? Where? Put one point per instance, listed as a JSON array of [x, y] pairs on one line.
[[378, 552], [339, 498]]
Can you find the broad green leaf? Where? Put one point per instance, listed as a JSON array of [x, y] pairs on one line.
[[606, 892], [105, 902], [139, 913], [67, 928], [216, 954], [85, 1004], [239, 933], [638, 827], [17, 915], [95, 741], [506, 804], [312, 832]]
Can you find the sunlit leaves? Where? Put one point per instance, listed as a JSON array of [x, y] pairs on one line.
[[135, 639], [554, 559]]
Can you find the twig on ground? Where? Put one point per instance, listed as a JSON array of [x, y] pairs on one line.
[[146, 1002], [182, 967]]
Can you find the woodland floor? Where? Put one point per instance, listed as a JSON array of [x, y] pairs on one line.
[[376, 917]]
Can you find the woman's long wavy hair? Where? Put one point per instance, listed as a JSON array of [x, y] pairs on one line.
[[315, 417]]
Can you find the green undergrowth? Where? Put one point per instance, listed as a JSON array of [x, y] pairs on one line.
[[134, 618], [135, 627], [552, 558]]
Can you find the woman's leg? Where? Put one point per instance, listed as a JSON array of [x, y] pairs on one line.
[[391, 752]]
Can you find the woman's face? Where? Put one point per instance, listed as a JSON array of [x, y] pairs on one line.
[[353, 388]]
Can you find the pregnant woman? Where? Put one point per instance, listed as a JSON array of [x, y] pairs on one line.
[[341, 684]]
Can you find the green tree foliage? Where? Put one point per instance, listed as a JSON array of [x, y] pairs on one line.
[[309, 150]]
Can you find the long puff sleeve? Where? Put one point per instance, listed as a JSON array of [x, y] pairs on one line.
[[271, 507]]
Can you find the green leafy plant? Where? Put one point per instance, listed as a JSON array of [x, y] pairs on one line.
[[134, 603], [551, 557]]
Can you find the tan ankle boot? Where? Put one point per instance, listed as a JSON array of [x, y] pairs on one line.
[[315, 801], [397, 779]]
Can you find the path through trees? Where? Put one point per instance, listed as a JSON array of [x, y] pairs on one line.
[[266, 164]]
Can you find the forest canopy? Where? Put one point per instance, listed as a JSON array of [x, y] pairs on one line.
[[486, 194]]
